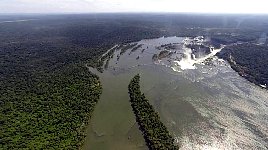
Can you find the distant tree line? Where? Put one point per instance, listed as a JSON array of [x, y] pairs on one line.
[[46, 93]]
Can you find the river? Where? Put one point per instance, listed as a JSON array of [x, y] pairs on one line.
[[205, 106]]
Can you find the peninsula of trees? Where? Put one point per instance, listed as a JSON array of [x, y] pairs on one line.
[[47, 94], [154, 131]]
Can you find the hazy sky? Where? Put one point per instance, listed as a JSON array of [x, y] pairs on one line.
[[80, 6]]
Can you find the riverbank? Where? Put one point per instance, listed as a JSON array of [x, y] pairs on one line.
[[249, 60]]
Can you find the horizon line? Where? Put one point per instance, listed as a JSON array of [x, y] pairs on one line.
[[131, 12]]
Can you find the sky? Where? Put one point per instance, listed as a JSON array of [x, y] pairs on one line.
[[101, 6]]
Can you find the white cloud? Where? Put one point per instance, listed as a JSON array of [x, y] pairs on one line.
[[54, 6]]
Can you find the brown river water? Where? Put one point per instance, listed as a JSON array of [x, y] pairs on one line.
[[205, 106]]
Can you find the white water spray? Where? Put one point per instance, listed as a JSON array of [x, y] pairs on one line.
[[189, 61]]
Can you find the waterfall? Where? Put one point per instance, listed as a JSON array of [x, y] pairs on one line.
[[189, 61]]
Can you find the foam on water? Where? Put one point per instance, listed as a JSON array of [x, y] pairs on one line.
[[189, 61], [234, 109]]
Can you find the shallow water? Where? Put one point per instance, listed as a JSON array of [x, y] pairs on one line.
[[209, 107]]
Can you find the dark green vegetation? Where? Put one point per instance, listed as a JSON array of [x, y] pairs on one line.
[[137, 47], [126, 47], [154, 131], [161, 55], [164, 54], [155, 57], [47, 111], [249, 60], [167, 46], [46, 92], [105, 58]]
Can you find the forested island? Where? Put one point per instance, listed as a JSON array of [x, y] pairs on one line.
[[47, 93], [154, 131]]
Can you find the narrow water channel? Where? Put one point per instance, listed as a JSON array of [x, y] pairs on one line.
[[208, 106]]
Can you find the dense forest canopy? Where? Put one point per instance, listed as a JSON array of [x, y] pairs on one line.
[[154, 131], [47, 94], [250, 60]]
